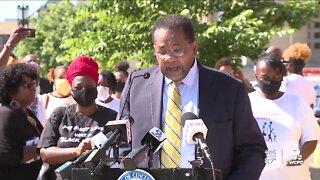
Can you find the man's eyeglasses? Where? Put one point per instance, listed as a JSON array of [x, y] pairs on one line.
[[30, 85], [176, 52], [173, 52]]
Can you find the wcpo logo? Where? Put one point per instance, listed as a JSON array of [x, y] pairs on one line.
[[297, 158]]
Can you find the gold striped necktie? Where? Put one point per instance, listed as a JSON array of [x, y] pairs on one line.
[[170, 155]]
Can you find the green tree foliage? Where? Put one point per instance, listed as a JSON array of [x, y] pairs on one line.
[[111, 31]]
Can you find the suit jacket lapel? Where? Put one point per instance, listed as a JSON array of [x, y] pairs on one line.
[[156, 97]]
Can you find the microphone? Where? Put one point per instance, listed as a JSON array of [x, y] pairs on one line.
[[64, 171], [121, 129], [145, 76], [195, 132], [152, 141], [99, 139]]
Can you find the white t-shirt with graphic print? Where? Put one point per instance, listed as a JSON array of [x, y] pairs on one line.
[[286, 124]]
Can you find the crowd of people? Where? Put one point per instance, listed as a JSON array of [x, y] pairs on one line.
[[254, 132]]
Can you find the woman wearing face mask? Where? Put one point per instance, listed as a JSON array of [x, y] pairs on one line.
[[67, 133], [19, 127], [61, 90], [106, 88], [286, 121]]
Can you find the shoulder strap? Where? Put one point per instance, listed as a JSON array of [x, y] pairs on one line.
[[32, 119], [45, 98]]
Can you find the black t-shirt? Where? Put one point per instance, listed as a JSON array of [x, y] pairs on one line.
[[15, 131], [67, 128]]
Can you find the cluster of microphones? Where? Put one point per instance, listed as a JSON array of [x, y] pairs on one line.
[[118, 132]]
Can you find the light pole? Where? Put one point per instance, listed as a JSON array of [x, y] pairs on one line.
[[219, 12], [23, 15]]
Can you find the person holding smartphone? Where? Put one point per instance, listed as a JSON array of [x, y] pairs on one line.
[[15, 37]]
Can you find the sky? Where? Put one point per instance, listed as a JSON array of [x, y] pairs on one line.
[[8, 8]]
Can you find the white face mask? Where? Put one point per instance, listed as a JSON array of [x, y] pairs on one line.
[[103, 93]]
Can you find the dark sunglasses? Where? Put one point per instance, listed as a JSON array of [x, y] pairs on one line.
[[29, 85]]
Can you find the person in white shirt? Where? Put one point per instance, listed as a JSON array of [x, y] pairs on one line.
[[286, 121], [295, 57], [106, 87], [61, 91]]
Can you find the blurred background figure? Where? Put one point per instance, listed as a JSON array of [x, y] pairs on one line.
[[295, 58], [121, 73], [119, 88], [61, 91], [19, 127], [274, 52], [106, 88], [12, 59], [237, 73], [224, 65], [45, 85], [286, 122], [15, 37]]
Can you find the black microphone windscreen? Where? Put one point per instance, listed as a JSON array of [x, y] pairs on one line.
[[187, 116], [146, 75], [123, 126], [109, 134]]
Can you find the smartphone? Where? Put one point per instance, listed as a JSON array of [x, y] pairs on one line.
[[32, 32]]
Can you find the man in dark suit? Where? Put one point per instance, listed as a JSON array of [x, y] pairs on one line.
[[234, 138]]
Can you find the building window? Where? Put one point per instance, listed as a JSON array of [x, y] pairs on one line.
[[317, 35], [317, 45], [3, 40], [317, 25]]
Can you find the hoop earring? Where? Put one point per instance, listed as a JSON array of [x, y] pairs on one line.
[[14, 104]]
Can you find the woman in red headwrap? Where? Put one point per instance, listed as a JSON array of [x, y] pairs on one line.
[[67, 133]]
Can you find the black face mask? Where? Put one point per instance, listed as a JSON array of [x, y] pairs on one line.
[[269, 87], [85, 96], [119, 86]]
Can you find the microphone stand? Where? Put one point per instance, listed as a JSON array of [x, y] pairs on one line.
[[150, 159], [116, 150], [145, 76], [106, 162], [197, 163], [199, 155], [102, 167]]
